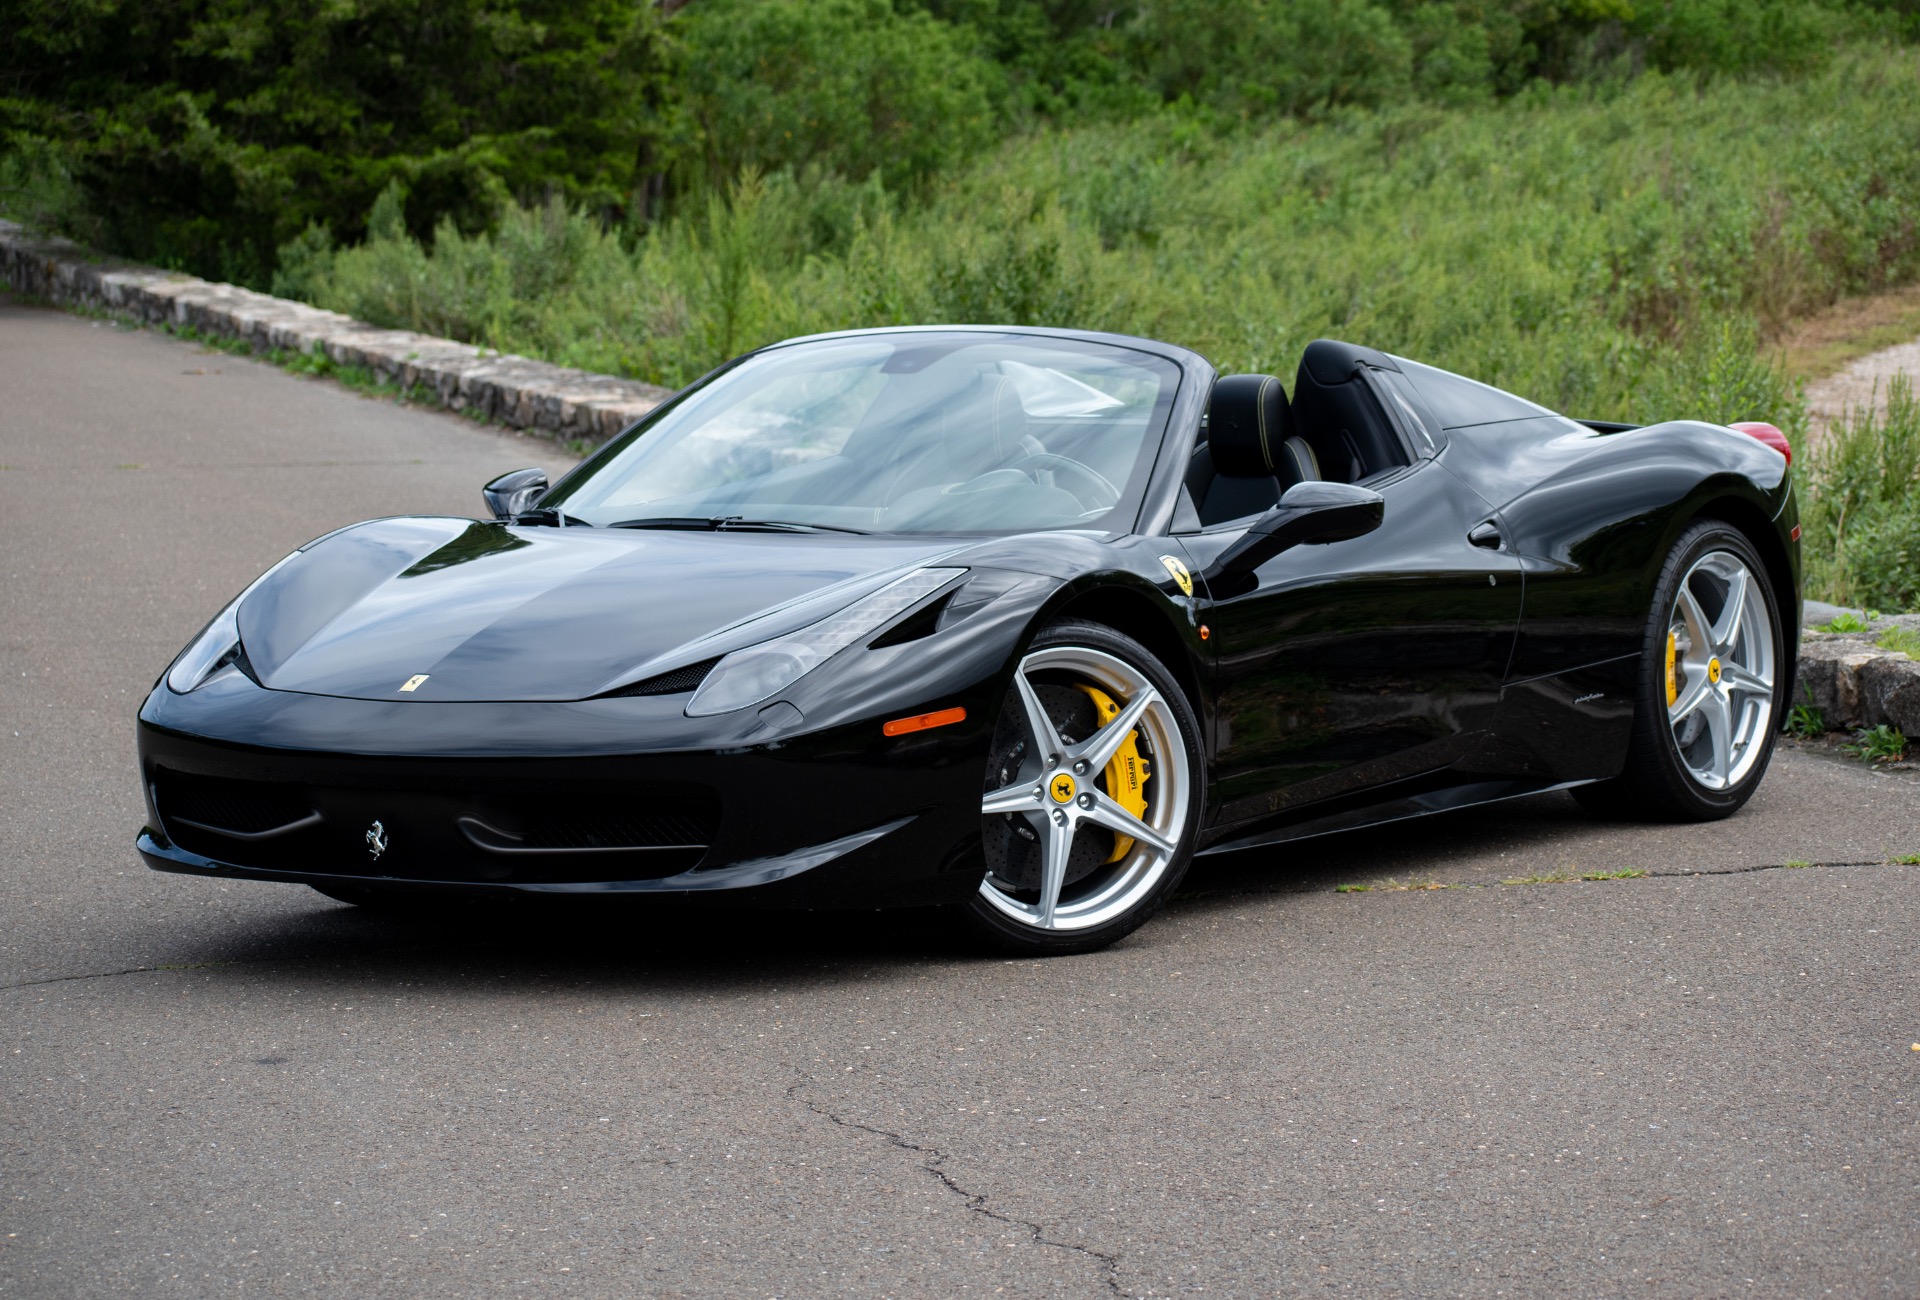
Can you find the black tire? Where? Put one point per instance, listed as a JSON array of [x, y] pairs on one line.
[[1657, 784], [1182, 781]]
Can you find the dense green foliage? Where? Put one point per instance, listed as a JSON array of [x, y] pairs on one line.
[[207, 133], [1644, 236], [204, 133], [1861, 523]]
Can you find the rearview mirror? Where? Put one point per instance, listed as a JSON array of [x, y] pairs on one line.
[[515, 493], [1312, 513]]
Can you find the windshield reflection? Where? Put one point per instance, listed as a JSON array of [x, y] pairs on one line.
[[908, 433]]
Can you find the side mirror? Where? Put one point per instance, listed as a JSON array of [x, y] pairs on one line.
[[515, 493], [1312, 513]]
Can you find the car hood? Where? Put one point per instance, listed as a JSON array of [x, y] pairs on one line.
[[491, 612]]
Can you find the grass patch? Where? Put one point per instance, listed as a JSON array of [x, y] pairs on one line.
[[1907, 860], [1394, 885], [1352, 889], [1795, 864], [1545, 878], [1906, 640], [1861, 518], [1845, 621], [1624, 873], [1881, 744], [1806, 722]]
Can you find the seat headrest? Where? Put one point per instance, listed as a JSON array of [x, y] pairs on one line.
[[1248, 423]]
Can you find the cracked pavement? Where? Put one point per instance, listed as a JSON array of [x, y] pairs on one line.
[[1677, 1085]]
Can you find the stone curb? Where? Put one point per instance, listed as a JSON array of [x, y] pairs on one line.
[[544, 399], [1857, 683]]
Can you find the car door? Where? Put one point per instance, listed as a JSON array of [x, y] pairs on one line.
[[1363, 662]]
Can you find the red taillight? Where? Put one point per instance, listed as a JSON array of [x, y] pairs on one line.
[[1768, 434]]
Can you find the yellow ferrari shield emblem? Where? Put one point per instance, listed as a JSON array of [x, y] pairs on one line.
[[413, 683], [1180, 575]]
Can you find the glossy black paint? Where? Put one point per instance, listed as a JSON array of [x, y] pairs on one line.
[[1478, 644]]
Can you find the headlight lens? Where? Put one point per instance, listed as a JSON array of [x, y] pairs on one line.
[[218, 645], [211, 651], [758, 672]]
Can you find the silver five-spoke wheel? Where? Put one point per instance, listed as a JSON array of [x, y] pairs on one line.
[[1087, 797], [1719, 671], [1709, 685]]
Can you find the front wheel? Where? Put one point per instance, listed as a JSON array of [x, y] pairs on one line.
[[1712, 671], [1092, 794]]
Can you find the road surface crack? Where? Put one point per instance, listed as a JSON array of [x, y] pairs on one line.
[[931, 1160], [112, 974]]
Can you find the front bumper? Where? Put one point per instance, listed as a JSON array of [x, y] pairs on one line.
[[421, 796]]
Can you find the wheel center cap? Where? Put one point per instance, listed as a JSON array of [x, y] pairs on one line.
[[1061, 788], [1713, 671]]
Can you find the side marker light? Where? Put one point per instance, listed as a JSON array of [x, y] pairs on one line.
[[1795, 534], [923, 722], [1205, 631]]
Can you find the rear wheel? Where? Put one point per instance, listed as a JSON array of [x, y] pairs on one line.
[[1707, 706], [1092, 794]]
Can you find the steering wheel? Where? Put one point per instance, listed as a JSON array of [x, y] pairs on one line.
[[1099, 494]]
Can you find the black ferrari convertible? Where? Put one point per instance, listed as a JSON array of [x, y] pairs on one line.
[[1011, 620]]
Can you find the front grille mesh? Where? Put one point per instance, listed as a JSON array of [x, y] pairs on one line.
[[444, 827], [248, 807]]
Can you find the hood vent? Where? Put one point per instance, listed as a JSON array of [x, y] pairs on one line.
[[678, 682]]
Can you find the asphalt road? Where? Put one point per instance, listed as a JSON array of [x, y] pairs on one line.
[[1681, 1085]]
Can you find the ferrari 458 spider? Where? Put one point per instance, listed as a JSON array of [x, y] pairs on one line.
[[1011, 620]]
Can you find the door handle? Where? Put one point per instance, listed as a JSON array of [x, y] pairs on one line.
[[1485, 535]]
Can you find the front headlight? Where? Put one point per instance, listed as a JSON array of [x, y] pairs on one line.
[[217, 645], [758, 672], [212, 650]]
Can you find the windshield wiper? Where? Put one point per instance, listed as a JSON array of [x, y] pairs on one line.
[[734, 524]]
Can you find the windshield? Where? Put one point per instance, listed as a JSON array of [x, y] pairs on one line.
[[903, 433]]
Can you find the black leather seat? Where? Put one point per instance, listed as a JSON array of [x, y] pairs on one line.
[[1250, 454], [1338, 414]]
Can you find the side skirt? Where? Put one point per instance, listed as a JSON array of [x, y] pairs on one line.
[[1396, 810]]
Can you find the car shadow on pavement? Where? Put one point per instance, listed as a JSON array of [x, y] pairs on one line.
[[661, 944]]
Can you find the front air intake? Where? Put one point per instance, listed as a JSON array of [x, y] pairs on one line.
[[678, 682]]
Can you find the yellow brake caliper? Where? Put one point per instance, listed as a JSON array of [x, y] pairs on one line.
[[1673, 682], [1126, 771]]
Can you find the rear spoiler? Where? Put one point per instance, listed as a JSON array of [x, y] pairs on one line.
[[1609, 426]]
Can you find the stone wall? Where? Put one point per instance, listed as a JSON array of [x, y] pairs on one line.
[[1856, 682], [522, 393]]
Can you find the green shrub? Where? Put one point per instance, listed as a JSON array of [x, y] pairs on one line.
[[209, 132], [1860, 524], [1275, 56], [851, 86]]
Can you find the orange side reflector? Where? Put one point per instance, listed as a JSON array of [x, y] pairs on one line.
[[924, 722]]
